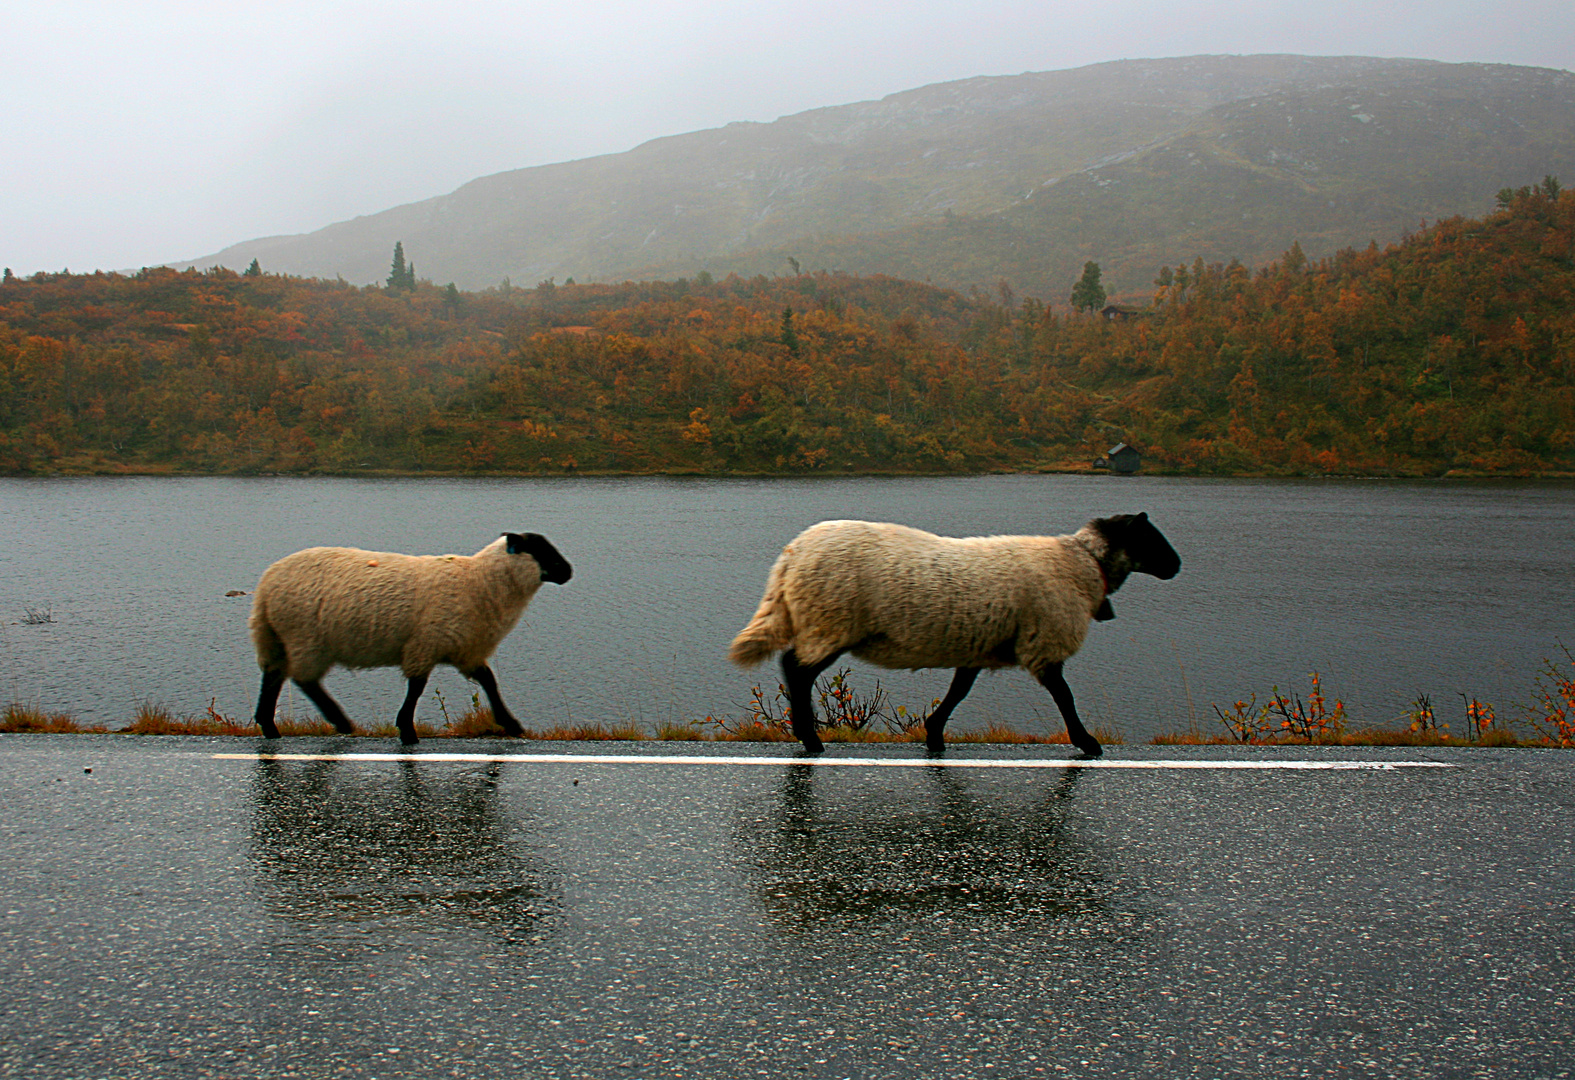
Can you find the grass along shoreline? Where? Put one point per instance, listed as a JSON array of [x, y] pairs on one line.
[[850, 716], [477, 723], [154, 720]]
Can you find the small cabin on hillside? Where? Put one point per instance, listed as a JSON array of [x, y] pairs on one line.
[[1122, 312], [1121, 458]]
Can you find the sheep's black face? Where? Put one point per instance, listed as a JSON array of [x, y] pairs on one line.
[[554, 567], [1146, 549]]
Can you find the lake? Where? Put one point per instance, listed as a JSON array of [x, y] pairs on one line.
[[1387, 588]]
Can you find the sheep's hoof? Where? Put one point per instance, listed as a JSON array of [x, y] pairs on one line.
[[935, 746], [814, 746], [269, 731], [1091, 749]]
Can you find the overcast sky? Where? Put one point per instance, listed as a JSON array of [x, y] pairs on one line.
[[141, 131]]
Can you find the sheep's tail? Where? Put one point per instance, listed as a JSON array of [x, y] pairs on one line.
[[771, 628], [269, 646]]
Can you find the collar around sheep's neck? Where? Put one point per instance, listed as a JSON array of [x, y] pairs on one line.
[[1093, 542]]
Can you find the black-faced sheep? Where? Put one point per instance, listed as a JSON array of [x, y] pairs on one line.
[[361, 609], [902, 598]]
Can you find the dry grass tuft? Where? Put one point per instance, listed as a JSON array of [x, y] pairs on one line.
[[19, 719], [625, 732], [997, 732], [154, 719], [474, 723]]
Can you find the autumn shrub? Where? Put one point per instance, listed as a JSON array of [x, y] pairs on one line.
[[1421, 716], [1314, 720], [1247, 721], [844, 714], [1552, 712], [1283, 718]]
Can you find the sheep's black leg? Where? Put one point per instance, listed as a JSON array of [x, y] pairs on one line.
[[1052, 680], [935, 723], [327, 706], [800, 679], [268, 701], [500, 712], [406, 720]]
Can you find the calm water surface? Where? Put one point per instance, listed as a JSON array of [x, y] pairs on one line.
[[1389, 589]]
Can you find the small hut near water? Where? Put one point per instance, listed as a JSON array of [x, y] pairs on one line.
[[1121, 458]]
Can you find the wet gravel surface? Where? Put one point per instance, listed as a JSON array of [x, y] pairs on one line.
[[169, 914]]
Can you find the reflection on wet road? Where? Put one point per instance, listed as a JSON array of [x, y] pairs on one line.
[[947, 856], [342, 855], [956, 905], [176, 913]]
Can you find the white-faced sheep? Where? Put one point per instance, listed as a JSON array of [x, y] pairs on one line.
[[361, 609], [902, 598]]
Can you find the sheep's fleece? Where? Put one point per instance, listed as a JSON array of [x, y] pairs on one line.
[[900, 597], [325, 606]]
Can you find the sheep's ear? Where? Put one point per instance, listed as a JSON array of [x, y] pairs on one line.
[[516, 543], [1143, 517]]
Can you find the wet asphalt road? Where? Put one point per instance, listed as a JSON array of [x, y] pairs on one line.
[[173, 914]]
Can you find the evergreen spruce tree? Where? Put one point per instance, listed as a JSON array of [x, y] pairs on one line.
[[254, 270], [401, 276], [789, 335], [1088, 294]]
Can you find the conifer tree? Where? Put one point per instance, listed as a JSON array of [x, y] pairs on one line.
[[254, 270], [1295, 260], [789, 335], [401, 276], [1088, 294]]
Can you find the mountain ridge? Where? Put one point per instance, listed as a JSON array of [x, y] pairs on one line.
[[995, 178]]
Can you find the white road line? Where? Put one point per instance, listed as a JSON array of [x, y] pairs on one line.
[[865, 762]]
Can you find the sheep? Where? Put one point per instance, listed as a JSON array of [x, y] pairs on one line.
[[898, 597], [360, 609]]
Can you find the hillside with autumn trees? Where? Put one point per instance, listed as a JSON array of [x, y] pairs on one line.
[[1453, 350]]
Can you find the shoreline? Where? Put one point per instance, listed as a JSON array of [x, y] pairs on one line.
[[21, 720], [1064, 469]]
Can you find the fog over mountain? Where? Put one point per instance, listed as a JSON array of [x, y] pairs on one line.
[[1017, 179]]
